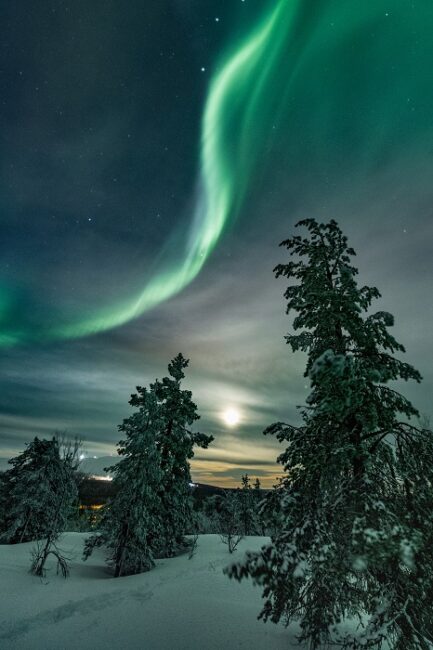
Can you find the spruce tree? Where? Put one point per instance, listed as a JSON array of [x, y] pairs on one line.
[[131, 526], [247, 511], [259, 505], [63, 494], [176, 442], [38, 492], [355, 536], [230, 518], [152, 509]]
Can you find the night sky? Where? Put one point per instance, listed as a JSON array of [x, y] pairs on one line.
[[153, 155]]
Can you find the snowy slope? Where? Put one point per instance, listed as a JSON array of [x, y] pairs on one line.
[[182, 604]]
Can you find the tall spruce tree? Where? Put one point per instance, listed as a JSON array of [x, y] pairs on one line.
[[355, 539], [131, 526], [152, 509], [176, 444]]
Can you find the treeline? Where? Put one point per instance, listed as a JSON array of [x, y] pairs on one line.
[[209, 504]]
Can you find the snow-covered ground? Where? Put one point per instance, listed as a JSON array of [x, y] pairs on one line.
[[182, 604]]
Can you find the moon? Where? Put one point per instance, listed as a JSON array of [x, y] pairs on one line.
[[231, 417]]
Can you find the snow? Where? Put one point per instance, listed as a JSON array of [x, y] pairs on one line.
[[182, 604]]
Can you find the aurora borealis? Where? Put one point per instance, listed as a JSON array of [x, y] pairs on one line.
[[241, 79], [152, 159]]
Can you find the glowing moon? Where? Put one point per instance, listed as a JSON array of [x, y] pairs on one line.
[[231, 417]]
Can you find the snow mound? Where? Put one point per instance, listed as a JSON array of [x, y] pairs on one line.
[[183, 604]]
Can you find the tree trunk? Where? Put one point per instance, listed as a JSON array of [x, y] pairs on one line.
[[120, 551]]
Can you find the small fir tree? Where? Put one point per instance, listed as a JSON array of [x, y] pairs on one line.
[[38, 492], [247, 509], [258, 504], [356, 504], [209, 515], [229, 518], [62, 495], [152, 508], [270, 510]]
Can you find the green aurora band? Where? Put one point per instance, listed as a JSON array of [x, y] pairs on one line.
[[311, 67], [219, 175]]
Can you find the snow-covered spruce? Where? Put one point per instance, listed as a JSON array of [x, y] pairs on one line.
[[152, 509], [37, 495], [247, 509], [230, 519], [355, 509], [30, 491], [258, 502]]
